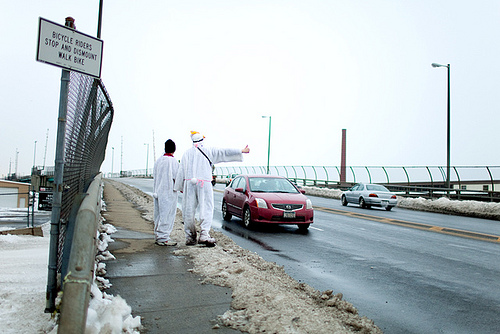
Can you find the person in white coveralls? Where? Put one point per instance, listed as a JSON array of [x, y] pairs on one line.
[[165, 198], [194, 180]]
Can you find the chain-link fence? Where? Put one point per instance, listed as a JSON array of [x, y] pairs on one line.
[[89, 117], [88, 121]]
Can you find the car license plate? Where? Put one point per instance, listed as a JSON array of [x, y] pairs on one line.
[[385, 202], [288, 214]]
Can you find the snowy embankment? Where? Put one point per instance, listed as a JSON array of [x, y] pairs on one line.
[[23, 283], [488, 210]]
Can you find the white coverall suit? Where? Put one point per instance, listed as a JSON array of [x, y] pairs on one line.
[[165, 198], [194, 179]]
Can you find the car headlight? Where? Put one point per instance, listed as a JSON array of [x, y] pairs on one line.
[[309, 204], [261, 203]]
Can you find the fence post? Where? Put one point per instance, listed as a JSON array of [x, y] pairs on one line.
[[369, 175], [353, 174], [492, 184], [315, 176], [305, 175], [430, 175], [57, 193]]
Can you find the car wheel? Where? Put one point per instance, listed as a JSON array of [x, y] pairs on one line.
[[388, 208], [225, 215], [362, 203], [247, 218], [343, 200], [303, 227]]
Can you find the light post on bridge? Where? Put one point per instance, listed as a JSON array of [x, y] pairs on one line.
[[448, 127], [268, 143], [147, 158], [112, 160]]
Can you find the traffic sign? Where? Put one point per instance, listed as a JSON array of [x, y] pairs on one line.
[[67, 48]]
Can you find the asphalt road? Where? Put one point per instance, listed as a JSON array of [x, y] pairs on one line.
[[407, 280]]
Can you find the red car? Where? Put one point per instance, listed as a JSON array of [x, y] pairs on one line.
[[266, 199]]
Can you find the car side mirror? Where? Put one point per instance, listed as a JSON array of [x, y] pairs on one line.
[[239, 190], [302, 191]]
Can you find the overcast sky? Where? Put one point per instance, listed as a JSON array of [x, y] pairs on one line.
[[315, 66]]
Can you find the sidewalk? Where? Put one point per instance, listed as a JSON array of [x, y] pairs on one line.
[[155, 282]]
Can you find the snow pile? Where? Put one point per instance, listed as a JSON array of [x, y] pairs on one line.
[[107, 313], [323, 192], [266, 299], [488, 210]]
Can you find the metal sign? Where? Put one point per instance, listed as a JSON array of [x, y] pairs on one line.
[[67, 48]]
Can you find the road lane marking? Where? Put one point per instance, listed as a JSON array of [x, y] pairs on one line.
[[420, 226]]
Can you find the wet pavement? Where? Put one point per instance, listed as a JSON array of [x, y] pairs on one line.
[[156, 283]]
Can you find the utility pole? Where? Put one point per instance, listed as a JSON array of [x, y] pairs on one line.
[[34, 157], [17, 156], [343, 160], [154, 151], [147, 158], [121, 159], [46, 142]]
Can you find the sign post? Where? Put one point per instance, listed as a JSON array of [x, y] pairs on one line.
[[71, 50]]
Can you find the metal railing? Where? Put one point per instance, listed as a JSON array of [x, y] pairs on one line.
[[330, 175], [30, 209], [467, 182]]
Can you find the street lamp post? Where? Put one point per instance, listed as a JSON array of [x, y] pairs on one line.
[[147, 158], [34, 158], [112, 160], [268, 143], [448, 127]]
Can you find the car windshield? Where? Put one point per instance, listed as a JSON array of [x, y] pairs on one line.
[[376, 187], [271, 185]]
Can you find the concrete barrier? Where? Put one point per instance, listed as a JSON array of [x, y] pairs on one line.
[[78, 281]]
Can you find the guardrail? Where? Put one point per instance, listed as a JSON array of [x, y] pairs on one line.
[[78, 281]]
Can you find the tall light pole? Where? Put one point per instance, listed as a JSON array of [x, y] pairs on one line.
[[448, 127], [112, 160], [147, 159], [34, 157], [268, 143]]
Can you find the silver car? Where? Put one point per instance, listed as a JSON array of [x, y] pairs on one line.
[[368, 195]]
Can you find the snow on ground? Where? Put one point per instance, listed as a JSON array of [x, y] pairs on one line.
[[265, 298], [23, 284]]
